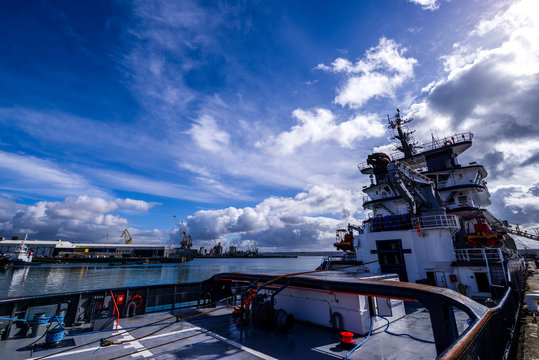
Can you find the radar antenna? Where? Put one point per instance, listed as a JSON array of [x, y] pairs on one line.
[[400, 132]]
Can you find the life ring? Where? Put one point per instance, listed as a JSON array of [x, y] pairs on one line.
[[137, 297], [448, 142]]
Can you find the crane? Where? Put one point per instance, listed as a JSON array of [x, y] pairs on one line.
[[127, 236], [186, 241], [415, 188]]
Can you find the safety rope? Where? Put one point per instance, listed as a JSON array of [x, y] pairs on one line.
[[387, 332], [201, 332]]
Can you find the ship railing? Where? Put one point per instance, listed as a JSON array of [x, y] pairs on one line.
[[336, 258], [467, 203], [455, 182], [479, 255], [230, 288], [363, 166], [474, 342], [436, 222], [447, 141]]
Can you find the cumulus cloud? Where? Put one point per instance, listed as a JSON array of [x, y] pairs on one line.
[[382, 70], [321, 125], [427, 4], [491, 88], [304, 218], [80, 219]]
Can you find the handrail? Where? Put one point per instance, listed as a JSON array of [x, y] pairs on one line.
[[479, 254], [481, 332], [473, 342], [436, 222], [448, 141], [485, 323], [457, 182], [454, 139], [438, 301]]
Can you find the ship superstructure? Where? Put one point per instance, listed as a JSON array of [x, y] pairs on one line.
[[428, 221]]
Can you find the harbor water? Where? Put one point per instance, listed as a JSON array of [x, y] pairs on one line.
[[49, 279]]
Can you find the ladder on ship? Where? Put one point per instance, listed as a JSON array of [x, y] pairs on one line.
[[491, 257]]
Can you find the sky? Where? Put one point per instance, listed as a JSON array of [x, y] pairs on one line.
[[247, 119]]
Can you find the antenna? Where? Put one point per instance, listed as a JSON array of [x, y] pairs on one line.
[[400, 132]]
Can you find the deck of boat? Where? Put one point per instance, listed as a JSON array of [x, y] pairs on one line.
[[217, 336]]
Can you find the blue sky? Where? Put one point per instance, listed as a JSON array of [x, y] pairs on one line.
[[246, 119]]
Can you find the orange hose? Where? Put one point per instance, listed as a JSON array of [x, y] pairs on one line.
[[116, 309]]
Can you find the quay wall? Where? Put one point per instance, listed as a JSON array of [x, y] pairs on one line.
[[528, 346]]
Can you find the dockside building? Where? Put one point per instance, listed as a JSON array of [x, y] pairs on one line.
[[60, 248]]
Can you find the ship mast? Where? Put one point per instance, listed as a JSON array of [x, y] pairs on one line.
[[401, 133]]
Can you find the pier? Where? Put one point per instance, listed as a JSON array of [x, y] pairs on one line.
[[528, 348]]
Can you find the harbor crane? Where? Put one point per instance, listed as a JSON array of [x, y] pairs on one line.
[[186, 243], [127, 237]]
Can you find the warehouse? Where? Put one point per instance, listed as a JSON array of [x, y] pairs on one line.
[[67, 249]]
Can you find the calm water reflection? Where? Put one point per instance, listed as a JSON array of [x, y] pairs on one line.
[[48, 279]]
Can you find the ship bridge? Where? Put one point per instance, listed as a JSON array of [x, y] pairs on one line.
[[456, 143]]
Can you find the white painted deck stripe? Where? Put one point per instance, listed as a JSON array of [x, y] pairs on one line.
[[132, 343], [97, 347], [171, 333], [237, 345]]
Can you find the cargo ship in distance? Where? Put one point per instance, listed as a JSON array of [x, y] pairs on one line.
[[431, 273]]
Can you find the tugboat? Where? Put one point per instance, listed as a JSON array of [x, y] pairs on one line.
[[428, 222], [429, 274]]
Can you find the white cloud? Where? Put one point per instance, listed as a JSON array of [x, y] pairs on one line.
[[207, 134], [382, 70], [427, 4], [321, 125], [80, 219], [138, 205], [23, 173], [275, 219], [146, 185]]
